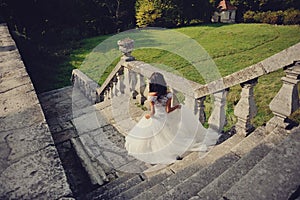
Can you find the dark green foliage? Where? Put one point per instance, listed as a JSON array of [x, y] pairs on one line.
[[171, 13], [262, 6], [288, 17], [56, 20]]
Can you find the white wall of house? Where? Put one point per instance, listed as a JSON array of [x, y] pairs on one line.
[[227, 16]]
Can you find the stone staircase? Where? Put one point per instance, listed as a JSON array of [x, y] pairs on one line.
[[223, 173], [260, 166]]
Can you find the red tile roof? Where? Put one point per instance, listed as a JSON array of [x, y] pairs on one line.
[[226, 5]]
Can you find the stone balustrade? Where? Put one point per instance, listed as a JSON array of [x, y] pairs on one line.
[[131, 77], [85, 84]]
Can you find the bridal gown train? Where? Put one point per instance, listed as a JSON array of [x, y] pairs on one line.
[[165, 136]]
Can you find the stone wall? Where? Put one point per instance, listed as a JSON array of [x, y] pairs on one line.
[[30, 167]]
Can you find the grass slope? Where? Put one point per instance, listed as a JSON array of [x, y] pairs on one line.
[[232, 47]]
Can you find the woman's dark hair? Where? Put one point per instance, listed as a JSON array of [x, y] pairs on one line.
[[158, 84]]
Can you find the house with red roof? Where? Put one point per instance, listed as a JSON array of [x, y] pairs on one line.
[[225, 13]]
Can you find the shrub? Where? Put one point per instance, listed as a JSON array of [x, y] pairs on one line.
[[249, 16], [287, 17], [291, 16], [272, 17], [147, 14]]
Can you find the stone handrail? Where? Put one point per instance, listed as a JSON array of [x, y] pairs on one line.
[[130, 76], [87, 86]]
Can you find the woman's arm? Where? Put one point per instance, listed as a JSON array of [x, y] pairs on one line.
[[169, 108], [152, 110]]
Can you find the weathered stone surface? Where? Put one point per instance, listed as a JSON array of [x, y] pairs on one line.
[[249, 142], [22, 142], [24, 118], [218, 116], [14, 78], [156, 190], [108, 194], [85, 84], [29, 164], [110, 185], [95, 172], [245, 109], [143, 186], [36, 176], [26, 98], [200, 179], [199, 163], [226, 180], [275, 177], [283, 58]]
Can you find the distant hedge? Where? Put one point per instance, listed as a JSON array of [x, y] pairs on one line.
[[288, 17]]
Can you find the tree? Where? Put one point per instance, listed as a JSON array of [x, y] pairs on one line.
[[170, 13], [147, 13]]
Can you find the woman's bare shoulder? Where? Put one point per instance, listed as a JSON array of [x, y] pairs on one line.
[[152, 94]]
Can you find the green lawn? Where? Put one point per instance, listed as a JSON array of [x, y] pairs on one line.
[[232, 47]]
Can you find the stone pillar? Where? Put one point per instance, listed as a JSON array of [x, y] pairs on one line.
[[126, 46], [140, 88], [246, 109], [201, 109], [126, 81], [217, 119], [174, 100], [133, 83], [190, 102], [287, 99]]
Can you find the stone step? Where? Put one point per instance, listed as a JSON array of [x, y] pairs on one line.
[[275, 177], [190, 186], [118, 188], [250, 142], [110, 185], [219, 186], [94, 170], [200, 162], [146, 184]]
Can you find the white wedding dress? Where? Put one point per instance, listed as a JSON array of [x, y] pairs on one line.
[[165, 136]]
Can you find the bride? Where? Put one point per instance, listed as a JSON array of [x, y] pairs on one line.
[[167, 132]]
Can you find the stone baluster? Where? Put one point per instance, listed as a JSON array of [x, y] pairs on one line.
[[106, 94], [120, 82], [174, 100], [217, 119], [111, 89], [190, 102], [133, 84], [287, 99], [246, 109], [126, 81], [201, 109], [108, 91], [115, 90], [100, 97], [140, 88]]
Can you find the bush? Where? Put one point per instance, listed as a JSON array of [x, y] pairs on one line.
[[249, 16], [147, 14], [287, 17], [291, 16], [272, 17]]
